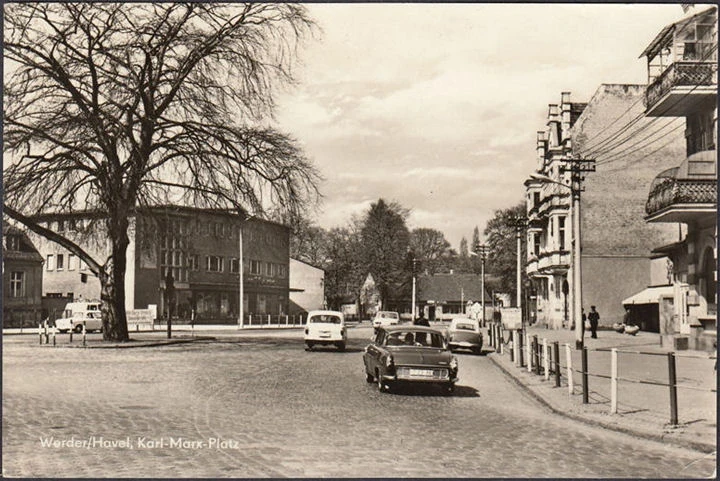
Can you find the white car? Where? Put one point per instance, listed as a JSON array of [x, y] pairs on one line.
[[325, 328], [465, 333], [386, 318], [79, 314]]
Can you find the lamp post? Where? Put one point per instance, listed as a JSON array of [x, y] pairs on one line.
[[414, 292], [241, 294], [481, 251], [577, 167]]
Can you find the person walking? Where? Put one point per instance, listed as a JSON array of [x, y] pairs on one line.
[[421, 321], [594, 318]]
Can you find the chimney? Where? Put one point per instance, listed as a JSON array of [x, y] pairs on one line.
[[541, 149]]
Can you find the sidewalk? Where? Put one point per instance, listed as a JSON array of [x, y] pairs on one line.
[[643, 408]]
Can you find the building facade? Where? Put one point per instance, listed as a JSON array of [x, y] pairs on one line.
[[444, 296], [615, 242], [199, 248], [682, 77], [22, 279], [307, 287]]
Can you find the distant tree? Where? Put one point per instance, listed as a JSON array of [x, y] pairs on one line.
[[307, 244], [385, 242], [115, 106], [429, 247], [475, 260], [501, 264], [344, 271]]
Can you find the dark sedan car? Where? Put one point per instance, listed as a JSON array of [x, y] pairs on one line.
[[410, 354]]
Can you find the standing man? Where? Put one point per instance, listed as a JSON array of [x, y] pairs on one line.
[[594, 318]]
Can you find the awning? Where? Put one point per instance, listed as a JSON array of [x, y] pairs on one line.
[[650, 295]]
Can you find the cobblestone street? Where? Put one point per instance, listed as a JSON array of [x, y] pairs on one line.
[[263, 407]]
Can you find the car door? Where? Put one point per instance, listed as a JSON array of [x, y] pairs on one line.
[[373, 351]]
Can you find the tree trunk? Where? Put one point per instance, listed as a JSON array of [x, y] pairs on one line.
[[113, 284]]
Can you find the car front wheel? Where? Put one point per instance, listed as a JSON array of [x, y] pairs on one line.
[[382, 385], [308, 346], [341, 346], [78, 329]]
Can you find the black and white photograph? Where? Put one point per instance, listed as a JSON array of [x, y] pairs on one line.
[[359, 240]]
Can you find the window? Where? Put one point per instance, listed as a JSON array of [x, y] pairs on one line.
[[83, 265], [50, 262], [561, 232], [234, 265], [536, 244], [60, 262], [214, 263], [254, 267], [71, 262], [12, 243], [536, 199], [17, 284], [193, 262], [699, 133], [268, 268]]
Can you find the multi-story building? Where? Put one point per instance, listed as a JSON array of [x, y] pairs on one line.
[[22, 279], [200, 248], [682, 68], [616, 243]]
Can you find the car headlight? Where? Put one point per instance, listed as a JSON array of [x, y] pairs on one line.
[[453, 363], [389, 361]]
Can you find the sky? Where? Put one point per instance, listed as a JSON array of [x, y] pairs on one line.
[[436, 106]]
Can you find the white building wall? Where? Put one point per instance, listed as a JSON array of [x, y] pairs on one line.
[[307, 285]]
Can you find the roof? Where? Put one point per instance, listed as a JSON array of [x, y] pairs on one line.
[[26, 249], [413, 327], [451, 287], [655, 46], [650, 295]]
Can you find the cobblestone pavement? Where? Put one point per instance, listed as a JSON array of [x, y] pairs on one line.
[[263, 407]]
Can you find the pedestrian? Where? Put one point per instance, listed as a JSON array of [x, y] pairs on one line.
[[421, 321], [594, 318]]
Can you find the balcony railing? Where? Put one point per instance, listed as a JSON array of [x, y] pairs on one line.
[[681, 74], [671, 191]]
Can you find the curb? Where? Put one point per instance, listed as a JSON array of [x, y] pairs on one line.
[[133, 344], [692, 445]]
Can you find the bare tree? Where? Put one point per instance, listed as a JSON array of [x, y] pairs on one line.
[[429, 247], [115, 106]]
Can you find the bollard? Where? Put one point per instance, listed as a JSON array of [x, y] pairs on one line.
[[672, 381], [546, 361], [528, 352], [491, 332], [169, 327], [613, 380], [47, 335], [556, 358], [71, 333], [516, 346], [568, 358], [84, 336], [586, 398], [287, 320], [511, 347], [500, 339], [536, 355], [53, 335], [137, 327], [521, 349], [40, 333]]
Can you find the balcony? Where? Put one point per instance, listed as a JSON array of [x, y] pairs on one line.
[[684, 87], [554, 262], [681, 200]]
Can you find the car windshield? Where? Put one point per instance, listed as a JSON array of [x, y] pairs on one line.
[[324, 319], [414, 338], [388, 315], [465, 326]]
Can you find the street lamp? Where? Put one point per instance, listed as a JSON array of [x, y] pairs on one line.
[[575, 189], [241, 294], [481, 251]]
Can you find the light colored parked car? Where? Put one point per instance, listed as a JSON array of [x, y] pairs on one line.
[[465, 333], [326, 328], [386, 318], [79, 314]]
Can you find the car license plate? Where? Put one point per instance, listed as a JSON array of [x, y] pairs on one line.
[[421, 372]]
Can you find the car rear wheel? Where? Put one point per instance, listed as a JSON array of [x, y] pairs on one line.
[[78, 328], [308, 346], [477, 350], [341, 346], [449, 389]]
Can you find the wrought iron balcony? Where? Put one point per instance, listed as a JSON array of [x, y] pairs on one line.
[[681, 74], [667, 192]]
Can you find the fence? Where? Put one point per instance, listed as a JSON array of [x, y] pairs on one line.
[[282, 320], [609, 370]]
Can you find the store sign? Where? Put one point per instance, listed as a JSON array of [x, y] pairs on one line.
[[511, 317]]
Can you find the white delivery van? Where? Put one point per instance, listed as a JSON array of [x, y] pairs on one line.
[[79, 314]]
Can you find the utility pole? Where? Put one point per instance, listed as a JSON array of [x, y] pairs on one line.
[[414, 261], [481, 250], [577, 167]]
